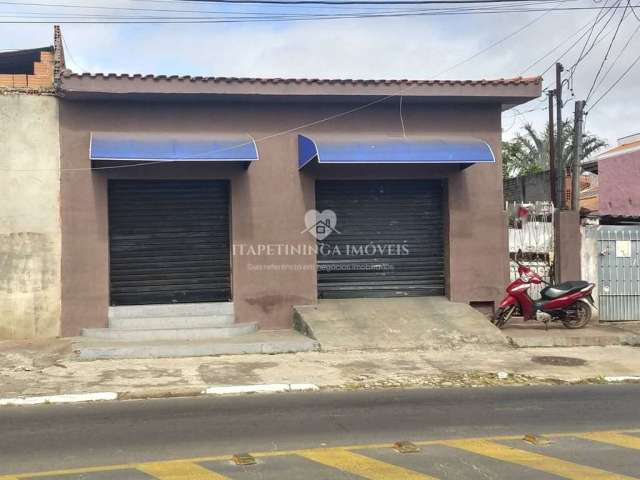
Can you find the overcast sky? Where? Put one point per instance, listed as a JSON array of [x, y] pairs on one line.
[[407, 47]]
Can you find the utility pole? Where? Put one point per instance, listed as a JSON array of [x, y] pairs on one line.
[[578, 117], [552, 153], [560, 169]]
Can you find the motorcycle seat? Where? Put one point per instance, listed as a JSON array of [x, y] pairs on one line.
[[555, 291]]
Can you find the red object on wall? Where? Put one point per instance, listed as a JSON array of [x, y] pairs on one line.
[[522, 212]]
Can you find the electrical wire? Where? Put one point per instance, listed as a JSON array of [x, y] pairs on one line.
[[355, 2], [530, 66], [586, 50], [614, 84], [601, 14], [67, 51], [495, 44], [404, 130], [606, 55], [299, 127], [287, 18], [613, 64]]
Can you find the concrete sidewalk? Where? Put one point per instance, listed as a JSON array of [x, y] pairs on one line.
[[30, 368], [535, 334]]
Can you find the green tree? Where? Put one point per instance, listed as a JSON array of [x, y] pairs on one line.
[[528, 152]]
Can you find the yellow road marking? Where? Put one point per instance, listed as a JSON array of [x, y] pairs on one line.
[[279, 453], [613, 438], [532, 460], [179, 470], [360, 465]]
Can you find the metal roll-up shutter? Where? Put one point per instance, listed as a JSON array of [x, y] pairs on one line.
[[389, 239], [169, 241]]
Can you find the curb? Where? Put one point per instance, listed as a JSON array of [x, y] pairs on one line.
[[65, 398], [623, 378], [158, 393]]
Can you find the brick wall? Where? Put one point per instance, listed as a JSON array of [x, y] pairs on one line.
[[42, 78]]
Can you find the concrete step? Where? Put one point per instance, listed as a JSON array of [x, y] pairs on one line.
[[172, 310], [268, 342], [156, 323], [149, 334]]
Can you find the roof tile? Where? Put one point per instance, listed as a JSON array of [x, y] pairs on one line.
[[309, 81]]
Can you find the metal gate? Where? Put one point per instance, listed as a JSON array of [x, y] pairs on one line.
[[389, 240], [169, 241], [531, 240], [619, 272]]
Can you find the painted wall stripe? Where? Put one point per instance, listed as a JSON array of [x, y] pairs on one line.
[[613, 438], [360, 465], [179, 470], [532, 460]]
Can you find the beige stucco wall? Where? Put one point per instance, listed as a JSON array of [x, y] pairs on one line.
[[30, 240]]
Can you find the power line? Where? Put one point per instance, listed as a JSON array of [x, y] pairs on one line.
[[595, 21], [68, 52], [601, 14], [530, 66], [261, 14], [356, 2], [306, 125], [585, 51], [277, 18], [571, 47], [614, 84], [498, 42], [174, 10], [624, 48], [606, 55]]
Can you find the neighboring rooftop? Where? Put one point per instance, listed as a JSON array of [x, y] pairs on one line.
[[27, 69], [91, 85], [32, 70], [21, 61], [628, 144]]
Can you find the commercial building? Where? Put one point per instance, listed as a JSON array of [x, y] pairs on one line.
[[191, 189]]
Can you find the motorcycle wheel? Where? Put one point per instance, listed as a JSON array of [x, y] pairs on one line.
[[582, 317], [503, 315]]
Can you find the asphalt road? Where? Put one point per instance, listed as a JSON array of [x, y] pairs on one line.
[[51, 438]]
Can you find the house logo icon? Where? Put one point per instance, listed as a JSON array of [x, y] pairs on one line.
[[320, 224]]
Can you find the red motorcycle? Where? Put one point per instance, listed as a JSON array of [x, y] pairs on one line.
[[570, 302]]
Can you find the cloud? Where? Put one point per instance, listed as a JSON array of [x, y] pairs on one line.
[[405, 47]]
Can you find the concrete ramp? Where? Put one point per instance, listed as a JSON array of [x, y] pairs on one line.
[[395, 324]]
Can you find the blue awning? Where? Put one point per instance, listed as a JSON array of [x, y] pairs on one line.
[[388, 150], [172, 148]]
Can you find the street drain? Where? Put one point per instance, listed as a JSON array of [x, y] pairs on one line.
[[559, 361]]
